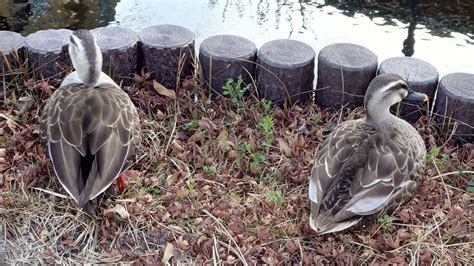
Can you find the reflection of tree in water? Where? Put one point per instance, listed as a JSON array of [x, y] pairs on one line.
[[409, 42], [441, 17], [47, 14], [14, 15]]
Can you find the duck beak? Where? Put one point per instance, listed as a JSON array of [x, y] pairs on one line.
[[416, 96]]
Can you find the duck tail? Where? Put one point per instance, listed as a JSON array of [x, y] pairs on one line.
[[324, 224]]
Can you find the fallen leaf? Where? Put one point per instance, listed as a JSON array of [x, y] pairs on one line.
[[284, 147], [120, 210], [168, 254], [172, 179], [163, 90]]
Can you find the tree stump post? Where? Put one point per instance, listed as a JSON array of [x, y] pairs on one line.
[[47, 52], [224, 57], [12, 49], [119, 51], [285, 71], [345, 71], [454, 104], [167, 52], [420, 75]]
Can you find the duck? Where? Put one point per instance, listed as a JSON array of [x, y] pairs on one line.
[[90, 126], [370, 165]]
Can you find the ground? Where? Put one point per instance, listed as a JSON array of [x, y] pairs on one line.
[[219, 180]]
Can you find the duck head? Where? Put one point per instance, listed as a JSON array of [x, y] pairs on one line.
[[384, 91], [86, 57]]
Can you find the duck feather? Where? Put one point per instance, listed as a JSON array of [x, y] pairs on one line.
[[97, 121]]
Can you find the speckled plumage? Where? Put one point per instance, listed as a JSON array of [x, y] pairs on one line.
[[367, 165], [91, 131]]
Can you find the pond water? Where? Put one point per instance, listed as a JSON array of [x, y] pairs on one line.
[[438, 31]]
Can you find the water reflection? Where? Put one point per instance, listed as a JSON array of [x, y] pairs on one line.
[[441, 17], [444, 29], [29, 16], [409, 42]]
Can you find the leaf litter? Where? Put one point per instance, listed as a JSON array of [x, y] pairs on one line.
[[210, 185]]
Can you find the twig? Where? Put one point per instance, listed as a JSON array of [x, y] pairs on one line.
[[51, 193], [452, 173], [240, 254], [442, 180]]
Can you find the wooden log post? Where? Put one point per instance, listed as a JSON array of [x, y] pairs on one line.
[[47, 52], [119, 51], [454, 104], [167, 52], [224, 57], [285, 71], [420, 75], [344, 73], [12, 48]]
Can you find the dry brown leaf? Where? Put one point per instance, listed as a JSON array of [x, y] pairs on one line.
[[168, 254], [120, 210], [163, 90], [284, 147], [171, 180]]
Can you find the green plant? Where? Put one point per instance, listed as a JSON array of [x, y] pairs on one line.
[[470, 186], [314, 119], [267, 105], [274, 197], [191, 125], [433, 156], [210, 170], [191, 186], [257, 159], [267, 126], [386, 221], [235, 91]]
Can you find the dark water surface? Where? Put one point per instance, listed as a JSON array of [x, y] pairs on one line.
[[440, 32]]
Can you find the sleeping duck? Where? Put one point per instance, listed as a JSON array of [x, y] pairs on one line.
[[369, 165], [90, 126]]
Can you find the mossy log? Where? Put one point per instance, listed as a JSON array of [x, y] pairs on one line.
[[167, 51], [119, 48], [455, 104], [47, 52], [345, 70], [285, 71], [224, 57]]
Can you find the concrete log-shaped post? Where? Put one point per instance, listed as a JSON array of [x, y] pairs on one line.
[[12, 48], [47, 52], [224, 57], [420, 75], [167, 52], [344, 73], [455, 104], [119, 48], [285, 71]]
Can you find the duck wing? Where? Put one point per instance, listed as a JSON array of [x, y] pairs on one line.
[[364, 182], [96, 124], [332, 154]]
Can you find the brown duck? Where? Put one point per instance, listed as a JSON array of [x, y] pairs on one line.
[[90, 126], [369, 165]]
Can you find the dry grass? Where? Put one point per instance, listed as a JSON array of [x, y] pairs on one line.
[[212, 186]]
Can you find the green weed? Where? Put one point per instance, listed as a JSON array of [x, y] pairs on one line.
[[386, 221], [267, 126], [235, 91], [274, 197]]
